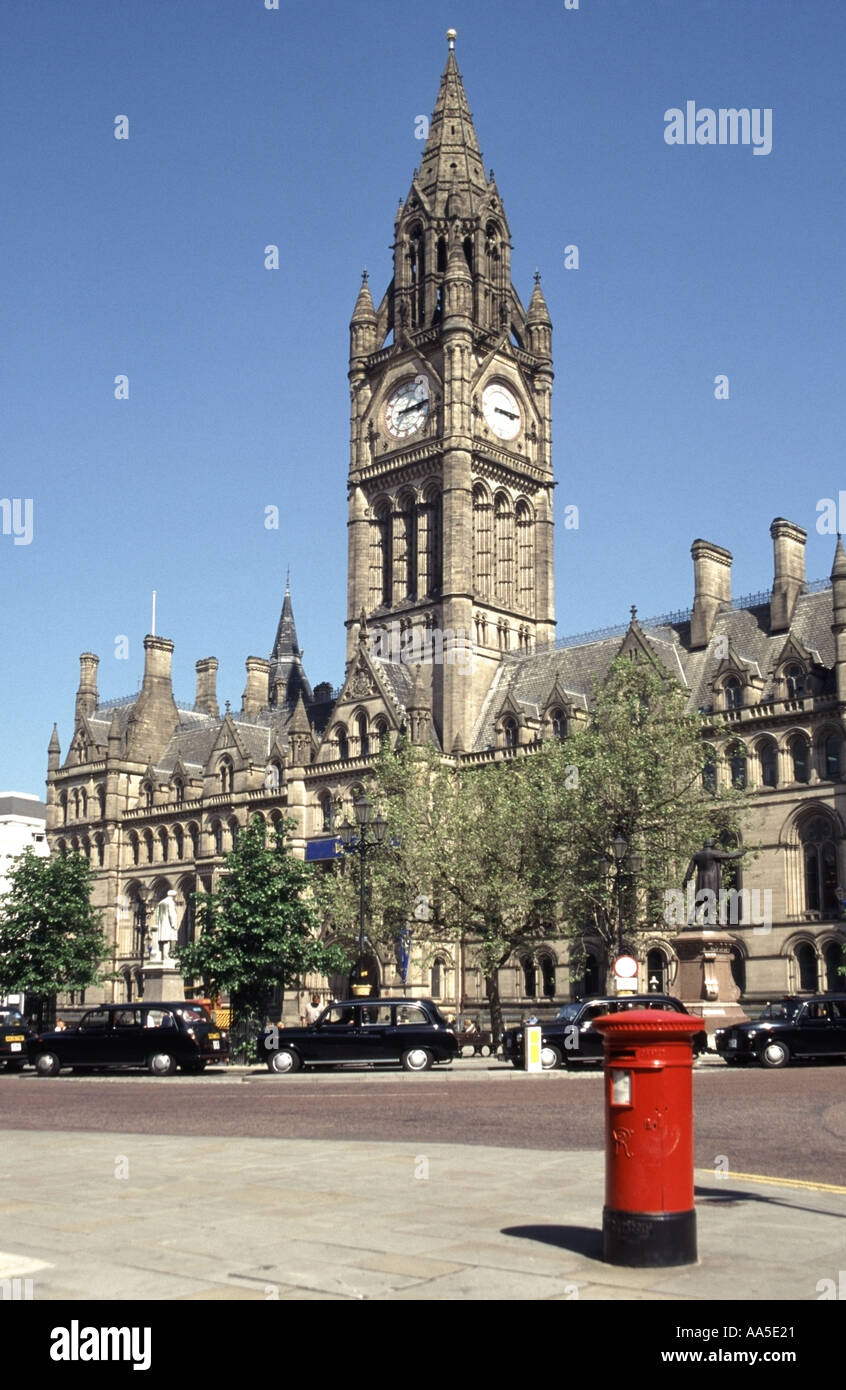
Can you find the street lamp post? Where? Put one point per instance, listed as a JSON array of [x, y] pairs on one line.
[[143, 896], [626, 863], [367, 835]]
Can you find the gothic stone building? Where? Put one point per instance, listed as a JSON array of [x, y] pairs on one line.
[[450, 636]]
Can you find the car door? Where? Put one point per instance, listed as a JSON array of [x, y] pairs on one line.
[[128, 1037], [815, 1033], [375, 1033], [590, 1041], [88, 1044], [334, 1038]]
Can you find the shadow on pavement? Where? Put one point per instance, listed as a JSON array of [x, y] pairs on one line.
[[580, 1239]]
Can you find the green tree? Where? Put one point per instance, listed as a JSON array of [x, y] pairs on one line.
[[259, 929], [639, 764], [51, 939]]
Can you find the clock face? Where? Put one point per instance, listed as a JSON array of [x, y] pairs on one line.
[[407, 408], [501, 410]]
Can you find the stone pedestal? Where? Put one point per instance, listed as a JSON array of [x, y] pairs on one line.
[[162, 982], [704, 982]]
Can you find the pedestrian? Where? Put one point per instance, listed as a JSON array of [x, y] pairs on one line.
[[311, 1012]]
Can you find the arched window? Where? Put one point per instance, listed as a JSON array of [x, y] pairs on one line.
[[733, 691], [794, 680], [178, 790], [327, 809], [83, 803], [234, 832], [380, 729], [831, 758], [438, 969], [226, 775], [504, 529], [63, 802], [405, 548], [835, 979], [178, 841], [194, 836], [429, 546], [482, 542], [417, 273], [768, 758], [737, 764], [147, 795], [100, 842], [363, 736], [510, 732], [656, 971], [101, 800], [163, 843], [559, 723], [709, 770], [530, 976], [547, 969], [148, 845], [525, 557], [186, 929], [806, 967], [342, 742], [217, 836], [381, 563], [799, 757], [134, 848], [819, 856]]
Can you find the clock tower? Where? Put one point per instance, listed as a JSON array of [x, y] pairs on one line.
[[450, 482]]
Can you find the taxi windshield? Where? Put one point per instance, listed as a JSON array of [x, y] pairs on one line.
[[785, 1008], [194, 1013]]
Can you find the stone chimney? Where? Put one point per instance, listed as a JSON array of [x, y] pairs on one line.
[[712, 589], [255, 696], [154, 715], [86, 695], [205, 701], [789, 571]]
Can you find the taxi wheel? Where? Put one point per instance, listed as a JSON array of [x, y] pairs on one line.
[[47, 1064], [775, 1054], [550, 1057], [284, 1062], [417, 1059], [161, 1064]]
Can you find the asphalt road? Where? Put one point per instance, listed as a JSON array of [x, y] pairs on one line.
[[787, 1124]]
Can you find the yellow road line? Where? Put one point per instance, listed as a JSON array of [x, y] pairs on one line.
[[776, 1182]]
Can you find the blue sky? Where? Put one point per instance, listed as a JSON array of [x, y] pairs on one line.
[[296, 127]]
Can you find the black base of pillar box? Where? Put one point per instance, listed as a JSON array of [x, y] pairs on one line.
[[641, 1239]]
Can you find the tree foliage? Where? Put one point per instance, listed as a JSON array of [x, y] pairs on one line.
[[507, 855], [258, 931], [51, 939]]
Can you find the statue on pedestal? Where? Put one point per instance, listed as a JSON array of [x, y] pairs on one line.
[[707, 865], [165, 927]]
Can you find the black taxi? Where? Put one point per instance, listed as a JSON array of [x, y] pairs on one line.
[[158, 1036], [13, 1039], [411, 1033], [795, 1028]]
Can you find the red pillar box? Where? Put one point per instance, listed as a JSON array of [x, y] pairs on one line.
[[648, 1217]]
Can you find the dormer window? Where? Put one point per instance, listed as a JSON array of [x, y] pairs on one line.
[[178, 790], [147, 795], [795, 682], [733, 691], [510, 732], [558, 720], [226, 775]]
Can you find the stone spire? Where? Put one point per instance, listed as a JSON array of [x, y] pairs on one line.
[[287, 677], [452, 162], [363, 332], [54, 751]]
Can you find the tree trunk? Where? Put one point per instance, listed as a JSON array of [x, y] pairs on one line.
[[495, 1006]]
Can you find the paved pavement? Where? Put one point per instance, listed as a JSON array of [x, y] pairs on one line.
[[137, 1216]]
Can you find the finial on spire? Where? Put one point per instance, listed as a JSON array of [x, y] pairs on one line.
[[537, 277], [452, 35], [364, 276], [288, 580], [634, 612]]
